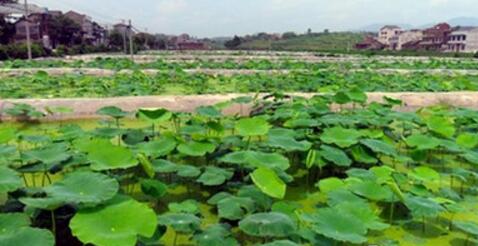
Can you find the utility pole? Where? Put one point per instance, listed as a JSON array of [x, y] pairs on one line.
[[27, 27], [130, 32]]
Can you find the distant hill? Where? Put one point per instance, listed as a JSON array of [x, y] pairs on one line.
[[463, 21]]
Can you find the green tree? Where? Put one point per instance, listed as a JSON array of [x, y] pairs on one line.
[[115, 40], [64, 31], [7, 31], [233, 43], [289, 35]]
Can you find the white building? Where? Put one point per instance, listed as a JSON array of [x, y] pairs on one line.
[[463, 39], [388, 33]]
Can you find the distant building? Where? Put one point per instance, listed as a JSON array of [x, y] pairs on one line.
[[185, 42], [86, 24], [407, 39], [38, 25], [436, 37], [463, 39], [369, 43], [388, 33]]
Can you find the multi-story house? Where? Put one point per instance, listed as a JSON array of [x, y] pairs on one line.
[[388, 33], [86, 24], [38, 24], [463, 39], [407, 39], [436, 37]]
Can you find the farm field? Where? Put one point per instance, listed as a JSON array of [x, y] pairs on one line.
[[330, 169]]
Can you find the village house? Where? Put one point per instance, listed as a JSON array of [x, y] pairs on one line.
[[407, 39], [91, 32], [463, 39], [388, 33], [38, 26], [369, 43], [435, 38], [185, 42]]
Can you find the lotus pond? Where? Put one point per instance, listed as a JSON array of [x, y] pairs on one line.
[[41, 85], [293, 172]]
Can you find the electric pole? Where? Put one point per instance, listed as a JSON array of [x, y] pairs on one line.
[[27, 28], [130, 32]]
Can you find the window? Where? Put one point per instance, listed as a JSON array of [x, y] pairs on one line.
[[464, 37]]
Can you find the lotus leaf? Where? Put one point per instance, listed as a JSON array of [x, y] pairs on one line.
[[154, 115], [154, 188], [270, 224], [180, 222], [188, 207], [215, 235], [9, 180], [213, 176], [112, 111], [379, 146], [106, 156], [441, 125], [372, 190], [467, 140], [250, 127], [187, 171], [117, 223], [234, 208], [340, 136], [269, 183], [422, 142], [193, 148], [335, 155], [467, 226], [27, 236], [330, 184], [423, 207], [257, 159]]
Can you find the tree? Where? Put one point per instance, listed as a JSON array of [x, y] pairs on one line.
[[7, 31], [62, 30], [8, 1], [289, 35], [326, 31], [309, 31], [233, 43], [116, 40]]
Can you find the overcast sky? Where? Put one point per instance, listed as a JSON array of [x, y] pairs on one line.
[[228, 17]]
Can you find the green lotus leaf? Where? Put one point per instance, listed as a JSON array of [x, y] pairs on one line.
[[360, 154], [117, 223], [154, 188], [422, 142], [52, 154], [213, 176], [383, 174], [193, 148], [335, 155], [234, 208], [188, 207], [363, 213], [471, 156], [423, 207], [215, 235], [441, 125], [468, 227], [301, 123], [262, 201], [268, 182], [187, 171], [379, 146], [7, 134], [11, 222], [340, 136], [112, 111], [257, 159], [106, 156], [289, 144], [360, 173], [424, 174], [208, 111], [7, 151], [9, 180], [357, 95], [154, 115], [180, 222], [27, 236], [250, 127], [281, 243], [341, 97], [164, 166], [371, 190], [85, 188], [270, 224], [332, 223], [467, 140], [330, 184], [157, 148]]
